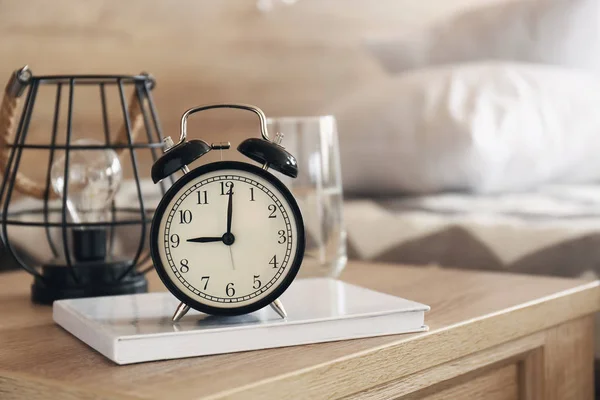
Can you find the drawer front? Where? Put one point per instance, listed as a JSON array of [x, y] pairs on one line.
[[499, 384]]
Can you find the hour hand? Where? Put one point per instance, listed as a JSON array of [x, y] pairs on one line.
[[205, 239]]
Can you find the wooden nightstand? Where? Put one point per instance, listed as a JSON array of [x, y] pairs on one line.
[[493, 336]]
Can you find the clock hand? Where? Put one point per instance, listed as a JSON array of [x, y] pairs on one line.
[[205, 239], [230, 208], [231, 255]]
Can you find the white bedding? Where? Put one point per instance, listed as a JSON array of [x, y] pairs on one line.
[[554, 230]]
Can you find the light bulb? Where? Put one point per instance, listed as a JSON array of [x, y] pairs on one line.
[[93, 179]]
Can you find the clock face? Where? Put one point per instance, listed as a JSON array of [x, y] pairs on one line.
[[227, 238]]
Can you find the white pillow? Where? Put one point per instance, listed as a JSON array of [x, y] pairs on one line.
[[487, 127], [557, 32]]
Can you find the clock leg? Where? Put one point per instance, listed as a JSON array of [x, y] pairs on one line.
[[278, 307], [182, 309]]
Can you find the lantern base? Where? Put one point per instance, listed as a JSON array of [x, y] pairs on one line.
[[93, 279]]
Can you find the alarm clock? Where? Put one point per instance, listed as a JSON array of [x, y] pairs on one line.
[[227, 238]]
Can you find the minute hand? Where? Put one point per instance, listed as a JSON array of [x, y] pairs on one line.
[[230, 208], [205, 239]]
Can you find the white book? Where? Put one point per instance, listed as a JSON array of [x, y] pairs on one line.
[[138, 328]]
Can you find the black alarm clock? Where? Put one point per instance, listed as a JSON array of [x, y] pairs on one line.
[[227, 238]]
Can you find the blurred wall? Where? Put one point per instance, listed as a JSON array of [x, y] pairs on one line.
[[293, 60]]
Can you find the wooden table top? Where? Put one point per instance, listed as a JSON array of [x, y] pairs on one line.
[[470, 311]]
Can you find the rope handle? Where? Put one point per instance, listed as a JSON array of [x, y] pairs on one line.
[[8, 121]]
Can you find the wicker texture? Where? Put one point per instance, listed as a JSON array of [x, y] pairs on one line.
[[8, 122]]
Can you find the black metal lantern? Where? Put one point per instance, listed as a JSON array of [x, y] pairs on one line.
[[82, 260]]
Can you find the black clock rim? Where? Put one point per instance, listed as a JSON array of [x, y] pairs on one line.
[[230, 311]]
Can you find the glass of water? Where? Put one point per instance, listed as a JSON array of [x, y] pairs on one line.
[[318, 190]]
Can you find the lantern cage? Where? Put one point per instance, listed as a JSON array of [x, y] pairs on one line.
[[82, 261]]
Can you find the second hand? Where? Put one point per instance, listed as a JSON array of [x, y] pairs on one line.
[[231, 255]]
